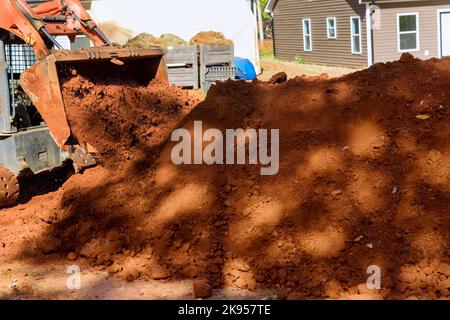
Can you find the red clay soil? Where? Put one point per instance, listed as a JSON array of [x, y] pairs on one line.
[[364, 180], [120, 121]]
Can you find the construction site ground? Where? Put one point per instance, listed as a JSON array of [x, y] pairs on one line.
[[363, 183], [271, 66]]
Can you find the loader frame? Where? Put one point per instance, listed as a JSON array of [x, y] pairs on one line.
[[29, 149]]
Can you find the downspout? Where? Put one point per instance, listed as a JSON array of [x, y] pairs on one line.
[[369, 31], [272, 26], [260, 20]]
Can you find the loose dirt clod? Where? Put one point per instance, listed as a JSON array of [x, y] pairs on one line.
[[202, 289], [278, 78]]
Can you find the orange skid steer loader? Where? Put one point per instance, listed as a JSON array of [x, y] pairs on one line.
[[35, 135]]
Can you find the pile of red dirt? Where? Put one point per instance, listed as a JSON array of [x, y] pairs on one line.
[[210, 38], [122, 121], [363, 184]]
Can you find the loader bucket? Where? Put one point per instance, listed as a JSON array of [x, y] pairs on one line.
[[42, 82]]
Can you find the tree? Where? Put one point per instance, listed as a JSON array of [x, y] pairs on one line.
[[266, 16]]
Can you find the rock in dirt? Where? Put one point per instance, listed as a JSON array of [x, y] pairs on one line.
[[72, 256], [158, 272], [278, 78], [406, 57], [202, 289], [50, 245], [132, 275]]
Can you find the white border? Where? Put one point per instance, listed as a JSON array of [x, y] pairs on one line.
[[417, 31], [335, 28], [304, 36], [438, 16], [360, 34]]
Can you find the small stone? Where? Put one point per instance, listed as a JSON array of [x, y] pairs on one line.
[[336, 193], [358, 239], [202, 289], [278, 78], [247, 212], [114, 268], [132, 275], [244, 267], [370, 246], [72, 256], [158, 273]]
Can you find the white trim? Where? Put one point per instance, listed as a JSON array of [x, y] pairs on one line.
[[335, 28], [304, 35], [438, 13], [270, 5], [417, 32], [370, 59], [352, 35]]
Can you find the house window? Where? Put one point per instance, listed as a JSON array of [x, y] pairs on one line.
[[331, 28], [355, 30], [307, 41], [408, 32]]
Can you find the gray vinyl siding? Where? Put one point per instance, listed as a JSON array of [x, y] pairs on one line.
[[385, 39], [288, 33]]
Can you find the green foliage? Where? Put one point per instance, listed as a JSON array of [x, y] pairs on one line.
[[298, 59], [266, 16]]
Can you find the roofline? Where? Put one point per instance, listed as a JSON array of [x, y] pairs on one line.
[[270, 5], [387, 1]]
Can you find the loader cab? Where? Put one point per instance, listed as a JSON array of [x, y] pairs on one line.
[[26, 146], [18, 112]]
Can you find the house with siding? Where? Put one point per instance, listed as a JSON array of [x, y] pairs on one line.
[[359, 33]]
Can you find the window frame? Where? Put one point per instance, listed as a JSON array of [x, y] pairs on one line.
[[353, 35], [417, 32], [305, 35], [335, 28]]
